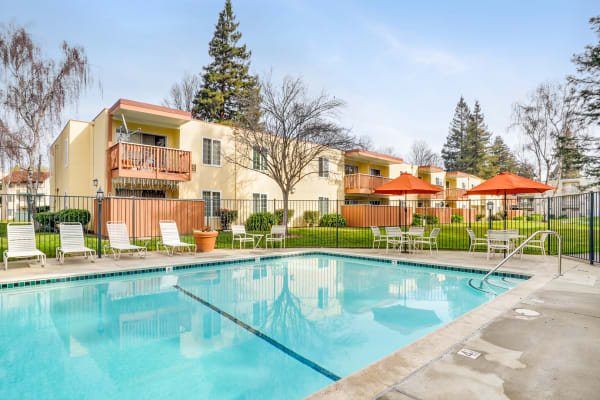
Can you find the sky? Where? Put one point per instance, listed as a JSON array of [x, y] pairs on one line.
[[399, 66]]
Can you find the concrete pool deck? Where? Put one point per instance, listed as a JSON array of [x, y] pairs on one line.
[[550, 355]]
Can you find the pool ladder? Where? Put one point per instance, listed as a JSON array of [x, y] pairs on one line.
[[515, 251]]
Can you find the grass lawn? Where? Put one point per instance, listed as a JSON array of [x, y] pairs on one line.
[[575, 233]]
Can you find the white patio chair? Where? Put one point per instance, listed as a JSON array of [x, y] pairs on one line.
[[475, 241], [415, 233], [21, 243], [238, 232], [395, 237], [170, 238], [497, 241], [430, 240], [539, 244], [378, 237], [72, 242], [118, 239], [277, 235]]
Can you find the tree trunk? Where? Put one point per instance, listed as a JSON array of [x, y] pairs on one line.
[[286, 197]]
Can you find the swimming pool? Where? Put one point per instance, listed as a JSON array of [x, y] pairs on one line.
[[280, 328]]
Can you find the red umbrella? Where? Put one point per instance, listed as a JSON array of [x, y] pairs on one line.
[[507, 183], [405, 184]]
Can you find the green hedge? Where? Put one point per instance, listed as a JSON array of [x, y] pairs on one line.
[[279, 216], [417, 219], [534, 217], [329, 220], [456, 218], [311, 217], [48, 221], [260, 221]]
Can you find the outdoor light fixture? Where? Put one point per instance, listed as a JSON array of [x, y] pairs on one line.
[[99, 195], [490, 206], [95, 182]]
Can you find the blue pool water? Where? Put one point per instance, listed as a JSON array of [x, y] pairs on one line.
[[269, 330]]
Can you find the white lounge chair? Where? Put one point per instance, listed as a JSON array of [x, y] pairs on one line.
[[118, 239], [475, 241], [277, 235], [238, 232], [430, 240], [21, 243], [72, 242], [539, 244], [170, 238], [378, 237]]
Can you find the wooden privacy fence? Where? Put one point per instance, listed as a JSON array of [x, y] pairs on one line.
[[444, 215], [364, 215], [142, 216]]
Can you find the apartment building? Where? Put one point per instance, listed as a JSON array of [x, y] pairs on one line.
[[13, 190], [144, 150]]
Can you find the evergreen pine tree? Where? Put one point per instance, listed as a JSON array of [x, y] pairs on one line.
[[499, 159], [453, 149], [475, 144], [227, 84]]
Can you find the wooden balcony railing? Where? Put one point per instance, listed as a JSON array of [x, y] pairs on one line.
[[143, 161], [434, 196], [365, 184]]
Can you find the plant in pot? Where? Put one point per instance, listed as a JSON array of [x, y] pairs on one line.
[[205, 239]]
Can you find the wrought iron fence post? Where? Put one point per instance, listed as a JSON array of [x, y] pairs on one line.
[[591, 245], [337, 223], [99, 230], [548, 224], [28, 207], [133, 217]]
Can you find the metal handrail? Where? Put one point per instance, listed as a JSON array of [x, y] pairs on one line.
[[515, 251]]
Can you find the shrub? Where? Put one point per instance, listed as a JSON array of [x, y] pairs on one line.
[[48, 221], [432, 219], [279, 216], [260, 221], [534, 217], [332, 220], [480, 217], [518, 218], [42, 209], [311, 217], [456, 218], [497, 217], [417, 219], [563, 216], [226, 216]]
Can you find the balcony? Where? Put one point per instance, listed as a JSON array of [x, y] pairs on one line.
[[433, 196], [456, 194], [132, 160], [363, 184]]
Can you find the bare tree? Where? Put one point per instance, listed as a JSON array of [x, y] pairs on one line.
[[421, 154], [549, 113], [182, 95], [365, 142], [295, 130], [34, 92]]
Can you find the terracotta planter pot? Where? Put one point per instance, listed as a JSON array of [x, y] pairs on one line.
[[205, 241]]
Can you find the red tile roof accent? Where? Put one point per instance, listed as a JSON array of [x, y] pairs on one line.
[[431, 168], [20, 176], [361, 152]]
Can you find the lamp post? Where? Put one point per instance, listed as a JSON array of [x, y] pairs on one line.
[[99, 198], [490, 207]]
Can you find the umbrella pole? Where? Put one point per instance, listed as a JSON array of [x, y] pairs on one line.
[[505, 216], [404, 247]]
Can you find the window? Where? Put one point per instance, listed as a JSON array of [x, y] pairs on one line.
[[350, 202], [375, 172], [212, 202], [66, 152], [324, 167], [447, 184], [464, 185], [211, 152], [323, 205], [438, 181], [259, 202], [259, 159], [350, 169], [375, 202]]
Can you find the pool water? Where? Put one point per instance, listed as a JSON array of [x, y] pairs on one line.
[[279, 329]]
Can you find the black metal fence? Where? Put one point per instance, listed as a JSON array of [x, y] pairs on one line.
[[314, 223]]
